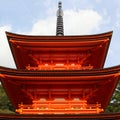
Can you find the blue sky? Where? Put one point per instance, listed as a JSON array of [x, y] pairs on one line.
[[81, 17]]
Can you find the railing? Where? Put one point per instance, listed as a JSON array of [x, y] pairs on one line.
[[59, 67], [57, 107]]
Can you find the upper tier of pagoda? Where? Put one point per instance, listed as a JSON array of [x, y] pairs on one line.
[[59, 52]]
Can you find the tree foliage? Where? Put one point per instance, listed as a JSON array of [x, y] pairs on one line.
[[114, 105], [5, 105]]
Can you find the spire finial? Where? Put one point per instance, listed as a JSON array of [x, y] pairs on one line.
[[60, 4], [59, 29]]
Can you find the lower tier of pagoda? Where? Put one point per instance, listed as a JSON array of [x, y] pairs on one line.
[[59, 107], [60, 91]]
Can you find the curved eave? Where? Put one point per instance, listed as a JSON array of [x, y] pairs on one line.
[[57, 38], [21, 44], [95, 72], [103, 116]]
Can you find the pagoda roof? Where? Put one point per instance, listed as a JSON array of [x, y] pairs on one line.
[[25, 48], [103, 116], [96, 85]]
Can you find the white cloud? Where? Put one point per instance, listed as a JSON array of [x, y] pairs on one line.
[[44, 27], [76, 22], [6, 59], [81, 21]]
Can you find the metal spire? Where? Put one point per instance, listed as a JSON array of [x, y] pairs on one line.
[[59, 28]]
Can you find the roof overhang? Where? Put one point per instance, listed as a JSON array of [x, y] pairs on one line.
[[92, 49]]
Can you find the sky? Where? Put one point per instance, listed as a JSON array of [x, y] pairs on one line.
[[81, 17]]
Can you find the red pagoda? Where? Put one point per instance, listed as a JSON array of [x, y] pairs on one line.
[[59, 74]]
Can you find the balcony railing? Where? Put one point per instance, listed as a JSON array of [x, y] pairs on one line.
[[59, 107], [59, 67]]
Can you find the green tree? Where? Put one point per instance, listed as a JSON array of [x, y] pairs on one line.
[[114, 105], [5, 105]]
